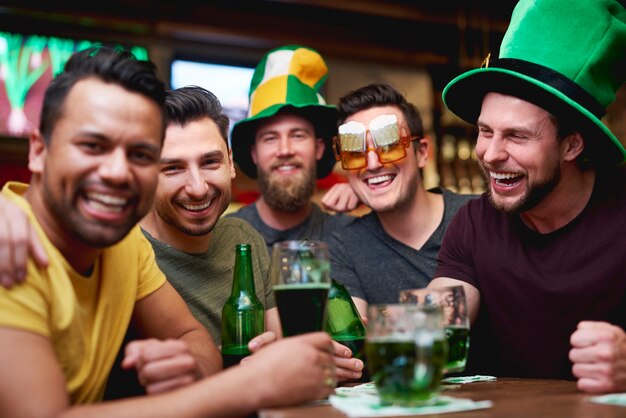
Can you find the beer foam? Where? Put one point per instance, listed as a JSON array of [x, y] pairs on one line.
[[352, 127], [392, 338], [420, 337], [296, 286], [380, 122], [386, 128]]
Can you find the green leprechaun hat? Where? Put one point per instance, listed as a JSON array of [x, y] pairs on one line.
[[287, 78], [566, 56]]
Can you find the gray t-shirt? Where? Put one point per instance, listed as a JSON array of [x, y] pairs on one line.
[[375, 267], [319, 226], [205, 280]]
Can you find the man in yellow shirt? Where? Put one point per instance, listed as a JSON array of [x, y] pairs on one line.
[[95, 162]]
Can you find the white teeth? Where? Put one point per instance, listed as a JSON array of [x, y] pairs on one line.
[[503, 176], [105, 208], [286, 167], [106, 203], [196, 207], [107, 199], [379, 179]]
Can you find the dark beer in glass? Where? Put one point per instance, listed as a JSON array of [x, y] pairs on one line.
[[300, 275]]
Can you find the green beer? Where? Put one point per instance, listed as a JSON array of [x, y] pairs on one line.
[[406, 373], [301, 307], [458, 346], [243, 315]]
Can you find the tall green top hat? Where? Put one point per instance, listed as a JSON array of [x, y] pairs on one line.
[[566, 56], [287, 78]]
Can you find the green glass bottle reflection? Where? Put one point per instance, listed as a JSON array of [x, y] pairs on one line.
[[243, 315], [344, 324]]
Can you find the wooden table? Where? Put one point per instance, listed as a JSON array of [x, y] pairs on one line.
[[511, 398]]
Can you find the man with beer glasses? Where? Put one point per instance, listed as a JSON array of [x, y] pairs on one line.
[[381, 145]]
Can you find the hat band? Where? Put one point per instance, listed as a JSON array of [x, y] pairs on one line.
[[553, 79]]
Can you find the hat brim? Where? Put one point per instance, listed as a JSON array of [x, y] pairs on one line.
[[322, 117], [464, 96]]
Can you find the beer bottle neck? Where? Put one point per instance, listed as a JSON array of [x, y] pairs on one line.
[[243, 281]]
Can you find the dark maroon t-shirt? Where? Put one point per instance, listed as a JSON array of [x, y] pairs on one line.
[[535, 288]]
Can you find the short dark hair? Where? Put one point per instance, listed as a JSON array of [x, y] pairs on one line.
[[374, 95], [191, 103], [111, 66]]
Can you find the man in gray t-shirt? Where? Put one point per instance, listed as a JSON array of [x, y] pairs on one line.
[[286, 144], [318, 226], [375, 266], [382, 149]]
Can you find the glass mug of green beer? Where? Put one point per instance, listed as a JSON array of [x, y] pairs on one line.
[[300, 275], [406, 351], [455, 317]]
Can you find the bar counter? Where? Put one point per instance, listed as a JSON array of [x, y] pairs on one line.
[[511, 398]]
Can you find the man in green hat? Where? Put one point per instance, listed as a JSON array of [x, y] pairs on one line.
[[542, 254], [285, 143]]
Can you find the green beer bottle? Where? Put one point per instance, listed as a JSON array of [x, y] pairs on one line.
[[243, 315], [344, 324]]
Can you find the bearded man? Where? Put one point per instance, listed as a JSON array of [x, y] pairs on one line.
[[541, 254], [286, 143]]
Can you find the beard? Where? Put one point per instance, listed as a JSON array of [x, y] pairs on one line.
[[92, 233], [290, 194], [533, 195]]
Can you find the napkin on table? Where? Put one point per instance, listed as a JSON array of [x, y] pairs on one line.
[[363, 401], [611, 399], [469, 379]]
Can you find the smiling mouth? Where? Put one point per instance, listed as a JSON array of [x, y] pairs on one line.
[[379, 180], [195, 207], [506, 179], [286, 167], [106, 203]]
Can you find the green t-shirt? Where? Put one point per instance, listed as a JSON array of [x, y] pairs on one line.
[[205, 280]]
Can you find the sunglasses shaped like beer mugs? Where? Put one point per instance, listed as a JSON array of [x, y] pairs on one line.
[[390, 142]]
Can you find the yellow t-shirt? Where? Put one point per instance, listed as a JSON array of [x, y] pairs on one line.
[[85, 318]]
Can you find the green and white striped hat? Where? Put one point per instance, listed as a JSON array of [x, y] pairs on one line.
[[287, 78]]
